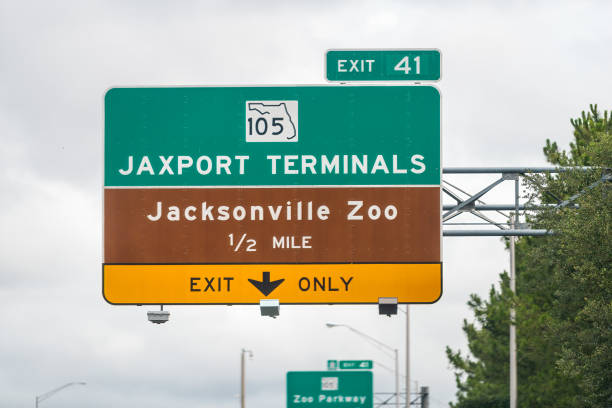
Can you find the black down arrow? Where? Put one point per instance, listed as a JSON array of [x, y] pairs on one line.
[[265, 286]]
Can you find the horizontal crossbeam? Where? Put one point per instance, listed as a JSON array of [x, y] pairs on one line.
[[501, 170], [496, 233], [499, 207]]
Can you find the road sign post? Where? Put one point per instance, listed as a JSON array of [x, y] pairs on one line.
[[310, 194], [313, 389]]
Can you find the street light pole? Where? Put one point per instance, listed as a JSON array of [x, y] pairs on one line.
[[397, 402], [407, 356], [381, 344], [49, 394], [242, 369]]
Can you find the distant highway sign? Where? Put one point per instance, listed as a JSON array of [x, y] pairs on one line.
[[355, 364], [314, 389]]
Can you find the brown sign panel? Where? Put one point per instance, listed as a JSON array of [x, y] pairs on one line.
[[272, 225]]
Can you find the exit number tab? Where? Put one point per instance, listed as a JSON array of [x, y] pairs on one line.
[[383, 65]]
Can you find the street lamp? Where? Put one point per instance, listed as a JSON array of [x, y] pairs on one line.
[[242, 353], [380, 344], [49, 394]]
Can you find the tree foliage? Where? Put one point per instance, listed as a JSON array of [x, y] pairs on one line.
[[589, 129], [564, 292]]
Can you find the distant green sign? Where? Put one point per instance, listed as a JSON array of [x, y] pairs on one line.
[[316, 389], [355, 364], [332, 365], [383, 65]]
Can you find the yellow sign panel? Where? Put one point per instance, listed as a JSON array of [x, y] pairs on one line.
[[289, 283]]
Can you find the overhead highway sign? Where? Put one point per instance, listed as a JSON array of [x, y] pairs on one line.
[[305, 194]]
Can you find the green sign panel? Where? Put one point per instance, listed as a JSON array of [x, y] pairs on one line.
[[332, 365], [315, 389], [355, 364], [272, 136], [383, 65]]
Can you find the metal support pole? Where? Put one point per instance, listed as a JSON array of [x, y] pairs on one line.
[[513, 367], [242, 370], [513, 377], [407, 356], [242, 378], [397, 397]]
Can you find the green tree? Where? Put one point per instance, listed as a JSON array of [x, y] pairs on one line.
[[580, 258], [589, 130], [482, 379], [564, 293]]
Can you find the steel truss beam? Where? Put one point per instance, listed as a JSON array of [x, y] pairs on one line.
[[474, 205], [501, 170], [499, 207], [497, 233]]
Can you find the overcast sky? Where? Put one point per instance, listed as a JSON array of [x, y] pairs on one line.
[[513, 75]]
